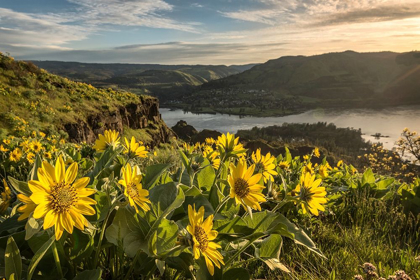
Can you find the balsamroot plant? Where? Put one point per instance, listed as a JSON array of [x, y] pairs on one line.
[[119, 218]]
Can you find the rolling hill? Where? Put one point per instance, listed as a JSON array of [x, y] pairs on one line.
[[163, 81], [356, 79]]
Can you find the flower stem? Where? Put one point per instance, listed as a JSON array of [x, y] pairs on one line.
[[101, 237], [221, 204], [130, 270], [57, 259], [240, 251]]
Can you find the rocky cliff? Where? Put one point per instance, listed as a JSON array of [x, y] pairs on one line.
[[141, 115]]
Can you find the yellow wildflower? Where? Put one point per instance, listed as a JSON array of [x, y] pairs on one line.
[[265, 165], [316, 152], [27, 209], [47, 155], [5, 197], [244, 185], [135, 149], [36, 146], [30, 157], [15, 155], [109, 139], [61, 200], [133, 190], [3, 149], [311, 194], [229, 144], [202, 234], [284, 164]]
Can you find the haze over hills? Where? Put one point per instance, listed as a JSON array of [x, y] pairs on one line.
[[286, 85], [163, 81], [334, 79]]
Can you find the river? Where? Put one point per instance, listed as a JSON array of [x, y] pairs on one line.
[[389, 121]]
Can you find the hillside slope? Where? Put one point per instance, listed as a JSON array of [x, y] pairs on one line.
[[163, 81], [33, 99], [374, 79]]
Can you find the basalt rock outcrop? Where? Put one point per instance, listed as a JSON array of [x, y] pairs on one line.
[[142, 115], [184, 131]]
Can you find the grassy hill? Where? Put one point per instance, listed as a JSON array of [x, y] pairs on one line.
[[33, 99], [163, 81], [334, 79]]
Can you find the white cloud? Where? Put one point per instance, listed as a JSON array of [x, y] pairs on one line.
[[37, 30], [129, 13], [326, 12], [54, 30], [266, 16]]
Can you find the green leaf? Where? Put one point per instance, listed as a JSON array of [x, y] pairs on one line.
[[11, 223], [186, 162], [236, 274], [198, 201], [384, 184], [270, 246], [38, 256], [368, 177], [288, 155], [167, 234], [205, 177], [203, 273], [300, 237], [105, 161], [13, 260], [274, 264], [183, 262], [32, 227], [153, 172], [193, 191], [102, 206], [94, 274], [215, 197], [235, 225], [33, 175], [165, 198], [82, 246], [265, 222], [19, 186], [123, 223]]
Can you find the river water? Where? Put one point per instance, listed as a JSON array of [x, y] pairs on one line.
[[389, 121]]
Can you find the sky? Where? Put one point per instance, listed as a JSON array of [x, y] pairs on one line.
[[203, 32]]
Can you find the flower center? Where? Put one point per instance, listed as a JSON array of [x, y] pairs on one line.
[[62, 197], [201, 236], [241, 187], [305, 194], [132, 190]]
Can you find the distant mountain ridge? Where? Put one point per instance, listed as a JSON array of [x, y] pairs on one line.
[[100, 71], [382, 77], [163, 81]]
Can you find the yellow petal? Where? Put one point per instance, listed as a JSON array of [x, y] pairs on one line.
[[60, 170], [41, 210], [50, 219], [209, 265], [81, 183], [58, 230], [85, 209], [71, 173], [67, 222]]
